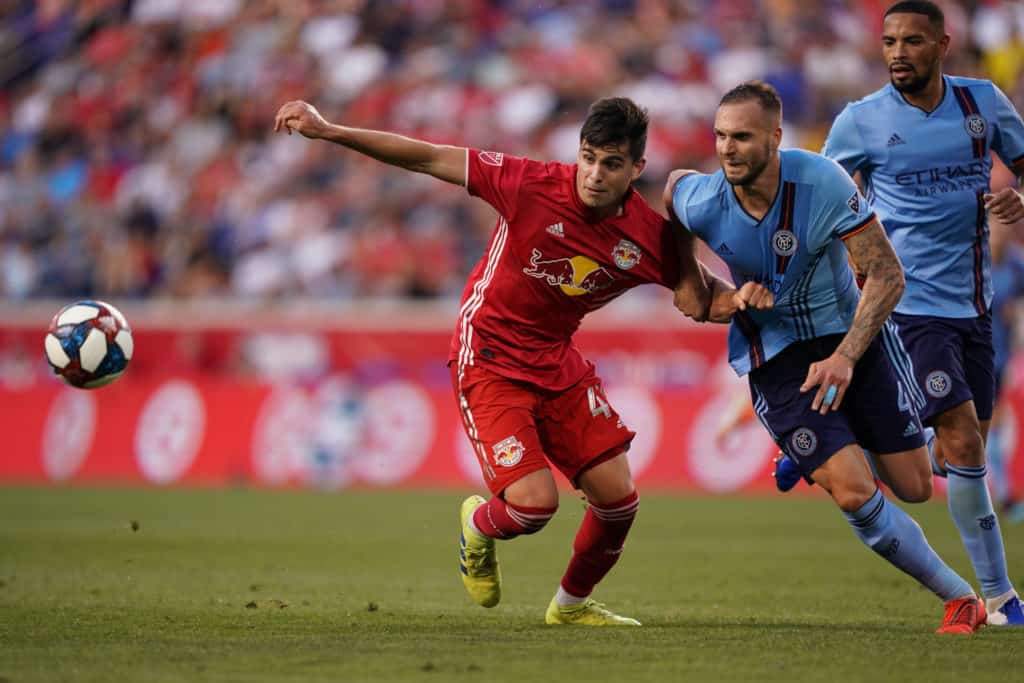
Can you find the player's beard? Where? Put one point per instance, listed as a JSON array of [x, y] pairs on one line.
[[916, 84], [756, 166]]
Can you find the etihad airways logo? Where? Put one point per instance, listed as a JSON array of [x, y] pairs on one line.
[[575, 275], [972, 171]]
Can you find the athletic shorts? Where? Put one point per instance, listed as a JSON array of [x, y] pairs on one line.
[[517, 428], [954, 361], [878, 411]]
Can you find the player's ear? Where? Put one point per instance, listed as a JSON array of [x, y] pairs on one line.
[[638, 168], [944, 44]]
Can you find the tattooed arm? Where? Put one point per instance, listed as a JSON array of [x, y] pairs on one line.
[[872, 255]]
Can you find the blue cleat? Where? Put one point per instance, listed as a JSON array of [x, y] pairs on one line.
[[1010, 613], [787, 474]]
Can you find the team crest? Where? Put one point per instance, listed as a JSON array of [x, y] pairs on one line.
[[938, 384], [626, 254], [976, 126], [492, 158], [508, 452], [854, 202], [804, 441], [784, 242]]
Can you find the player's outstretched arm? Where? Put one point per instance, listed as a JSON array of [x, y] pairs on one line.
[[441, 161], [693, 295], [872, 255]]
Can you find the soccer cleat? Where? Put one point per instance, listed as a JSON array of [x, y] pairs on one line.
[[1010, 613], [963, 615], [588, 613], [787, 474], [478, 561]]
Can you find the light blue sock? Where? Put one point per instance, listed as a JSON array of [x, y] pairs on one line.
[[929, 441], [890, 532], [998, 477], [971, 509]]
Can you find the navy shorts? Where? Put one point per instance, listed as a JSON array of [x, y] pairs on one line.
[[954, 361], [879, 410]]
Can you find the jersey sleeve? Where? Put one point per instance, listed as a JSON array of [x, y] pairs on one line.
[[682, 194], [1008, 141], [844, 144], [497, 179], [839, 209]]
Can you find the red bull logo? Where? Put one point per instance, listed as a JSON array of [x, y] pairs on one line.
[[508, 452], [626, 254], [575, 275]]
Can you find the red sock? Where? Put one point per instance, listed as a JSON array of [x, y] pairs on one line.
[[598, 544], [499, 519]]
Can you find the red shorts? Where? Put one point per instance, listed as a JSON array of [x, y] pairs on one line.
[[517, 428]]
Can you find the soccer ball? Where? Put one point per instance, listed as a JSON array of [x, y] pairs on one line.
[[89, 344]]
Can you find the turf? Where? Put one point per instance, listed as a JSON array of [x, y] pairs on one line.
[[240, 585]]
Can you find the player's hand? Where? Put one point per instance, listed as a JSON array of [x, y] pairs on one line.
[[301, 117], [832, 377], [693, 300], [1007, 205], [753, 295]]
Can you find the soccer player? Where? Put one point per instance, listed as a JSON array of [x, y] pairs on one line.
[[922, 148], [822, 379], [569, 239]]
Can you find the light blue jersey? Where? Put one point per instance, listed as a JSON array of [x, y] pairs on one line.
[[925, 175], [795, 251]]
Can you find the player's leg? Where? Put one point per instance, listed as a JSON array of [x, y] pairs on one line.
[[499, 417], [961, 430], [585, 438], [896, 537]]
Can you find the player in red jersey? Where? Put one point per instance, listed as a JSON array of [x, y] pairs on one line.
[[569, 239]]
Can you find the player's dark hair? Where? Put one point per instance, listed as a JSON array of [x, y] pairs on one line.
[[614, 120], [929, 9], [756, 91]]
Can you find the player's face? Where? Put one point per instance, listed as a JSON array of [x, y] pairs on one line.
[[603, 174], [912, 50], [746, 139]]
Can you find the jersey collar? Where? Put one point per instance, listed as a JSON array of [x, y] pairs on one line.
[[942, 102]]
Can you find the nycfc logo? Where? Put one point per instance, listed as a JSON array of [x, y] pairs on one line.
[[975, 126], [508, 452], [804, 441], [938, 384], [988, 522], [890, 550], [784, 242], [626, 254]]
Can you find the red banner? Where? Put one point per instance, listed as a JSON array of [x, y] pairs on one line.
[[370, 408]]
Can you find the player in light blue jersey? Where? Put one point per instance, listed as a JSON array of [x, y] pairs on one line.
[[823, 380], [922, 148]]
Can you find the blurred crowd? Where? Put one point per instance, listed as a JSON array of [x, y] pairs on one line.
[[137, 159]]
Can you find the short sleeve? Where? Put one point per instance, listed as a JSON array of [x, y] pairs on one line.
[[496, 178], [682, 194], [839, 209], [844, 144], [1008, 141]]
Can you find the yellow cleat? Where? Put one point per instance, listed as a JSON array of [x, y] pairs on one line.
[[589, 613], [477, 560]]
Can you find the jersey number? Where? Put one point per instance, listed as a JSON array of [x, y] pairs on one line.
[[598, 403]]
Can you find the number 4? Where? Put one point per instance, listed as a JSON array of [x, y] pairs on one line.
[[598, 403]]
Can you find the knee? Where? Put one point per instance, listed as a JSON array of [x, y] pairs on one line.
[[963, 447], [851, 496], [917, 491]]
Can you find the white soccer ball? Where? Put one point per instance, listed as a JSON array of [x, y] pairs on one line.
[[89, 344]]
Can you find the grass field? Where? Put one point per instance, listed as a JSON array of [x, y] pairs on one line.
[[297, 586]]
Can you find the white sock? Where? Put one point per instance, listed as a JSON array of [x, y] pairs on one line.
[[992, 604], [568, 599]]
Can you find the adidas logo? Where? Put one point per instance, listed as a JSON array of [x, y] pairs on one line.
[[556, 229], [895, 139], [911, 429], [724, 249]]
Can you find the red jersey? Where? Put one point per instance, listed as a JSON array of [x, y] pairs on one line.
[[548, 264]]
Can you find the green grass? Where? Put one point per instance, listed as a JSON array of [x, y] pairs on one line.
[[298, 586]]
